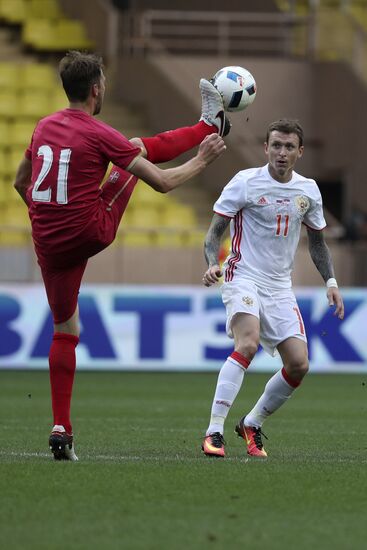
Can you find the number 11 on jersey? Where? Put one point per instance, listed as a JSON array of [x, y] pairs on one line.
[[282, 225]]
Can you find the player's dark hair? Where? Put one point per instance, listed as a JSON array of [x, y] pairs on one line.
[[78, 72], [286, 126]]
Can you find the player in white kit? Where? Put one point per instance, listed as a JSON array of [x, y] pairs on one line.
[[265, 208]]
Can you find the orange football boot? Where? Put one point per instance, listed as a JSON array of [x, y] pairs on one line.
[[252, 436], [213, 445]]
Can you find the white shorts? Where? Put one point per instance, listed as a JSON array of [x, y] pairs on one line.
[[277, 311]]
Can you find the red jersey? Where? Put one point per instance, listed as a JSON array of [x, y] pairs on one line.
[[70, 152]]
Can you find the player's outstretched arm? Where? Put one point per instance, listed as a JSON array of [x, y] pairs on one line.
[[23, 178], [211, 249], [166, 180], [321, 257]]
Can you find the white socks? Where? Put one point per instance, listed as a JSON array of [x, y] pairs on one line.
[[228, 385], [276, 392]]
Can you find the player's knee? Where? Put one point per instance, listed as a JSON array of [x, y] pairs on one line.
[[247, 348], [298, 368]]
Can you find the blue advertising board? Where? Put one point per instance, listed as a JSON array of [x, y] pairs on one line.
[[170, 328]]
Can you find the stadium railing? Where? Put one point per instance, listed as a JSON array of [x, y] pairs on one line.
[[212, 33], [321, 33]]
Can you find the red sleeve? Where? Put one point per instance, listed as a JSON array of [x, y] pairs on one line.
[[116, 147]]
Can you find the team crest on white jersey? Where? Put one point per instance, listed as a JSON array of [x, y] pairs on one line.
[[248, 300], [302, 204]]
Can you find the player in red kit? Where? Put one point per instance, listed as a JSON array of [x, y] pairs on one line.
[[73, 218]]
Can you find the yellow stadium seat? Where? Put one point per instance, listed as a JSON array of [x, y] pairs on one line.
[[16, 214], [4, 133], [145, 195], [13, 11], [58, 100], [39, 34], [19, 208], [8, 105], [14, 157], [359, 13], [34, 104], [9, 75], [13, 238], [13, 198], [137, 238], [44, 8], [332, 4], [179, 216], [20, 134], [38, 76], [142, 217], [60, 35], [16, 221], [72, 34], [3, 193], [2, 163], [170, 238], [194, 238]]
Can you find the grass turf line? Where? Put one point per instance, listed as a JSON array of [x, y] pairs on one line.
[[143, 483]]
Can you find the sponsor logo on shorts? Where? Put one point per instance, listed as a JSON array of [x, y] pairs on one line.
[[248, 300]]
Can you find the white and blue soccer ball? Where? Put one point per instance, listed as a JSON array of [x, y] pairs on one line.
[[237, 87]]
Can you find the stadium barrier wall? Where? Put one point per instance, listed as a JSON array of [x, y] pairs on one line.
[[168, 328]]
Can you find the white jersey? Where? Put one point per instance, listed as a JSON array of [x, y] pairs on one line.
[[266, 224]]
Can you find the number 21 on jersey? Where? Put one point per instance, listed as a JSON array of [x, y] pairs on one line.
[[282, 225], [46, 152]]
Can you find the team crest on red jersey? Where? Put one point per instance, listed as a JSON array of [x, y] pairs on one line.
[[114, 176]]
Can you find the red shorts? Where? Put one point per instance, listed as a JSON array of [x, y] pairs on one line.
[[62, 272]]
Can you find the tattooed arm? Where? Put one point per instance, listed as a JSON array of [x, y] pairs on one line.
[[211, 249], [320, 254], [321, 257]]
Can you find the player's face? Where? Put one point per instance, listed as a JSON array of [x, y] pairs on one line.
[[99, 98], [283, 151]]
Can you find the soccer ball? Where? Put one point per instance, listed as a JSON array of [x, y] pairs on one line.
[[237, 87]]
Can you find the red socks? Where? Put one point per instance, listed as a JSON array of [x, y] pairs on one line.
[[62, 369], [169, 145]]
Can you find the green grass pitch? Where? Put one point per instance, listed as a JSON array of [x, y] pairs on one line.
[[143, 483]]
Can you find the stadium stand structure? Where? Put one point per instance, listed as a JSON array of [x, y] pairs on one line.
[[44, 27], [278, 50], [29, 90], [315, 75]]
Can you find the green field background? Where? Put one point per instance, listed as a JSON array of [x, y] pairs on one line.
[[143, 483]]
